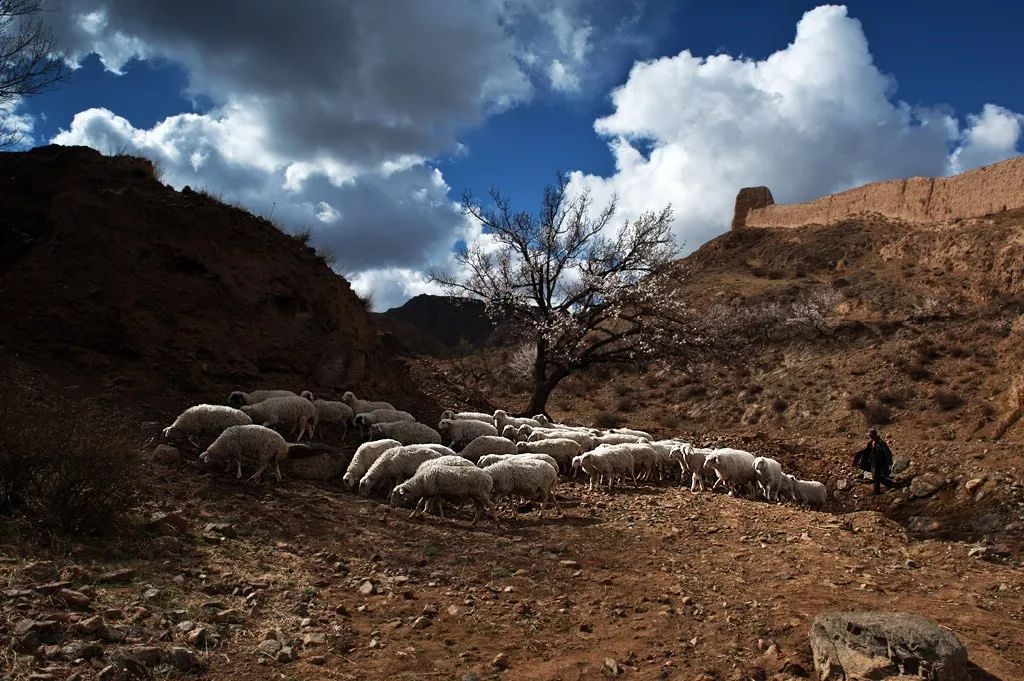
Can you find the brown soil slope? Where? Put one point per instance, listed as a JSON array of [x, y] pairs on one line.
[[115, 282]]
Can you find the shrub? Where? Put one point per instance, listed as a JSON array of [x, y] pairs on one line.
[[779, 405], [303, 235], [877, 415], [69, 466], [947, 400], [327, 255], [856, 402], [606, 419], [625, 404]]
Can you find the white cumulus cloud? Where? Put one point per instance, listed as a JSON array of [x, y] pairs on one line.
[[815, 117]]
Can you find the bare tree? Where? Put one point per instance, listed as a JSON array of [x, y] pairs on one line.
[[581, 291], [29, 61]]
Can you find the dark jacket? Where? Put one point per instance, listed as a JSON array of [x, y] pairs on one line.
[[876, 457]]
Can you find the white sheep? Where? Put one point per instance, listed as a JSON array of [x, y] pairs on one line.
[[467, 416], [561, 450], [332, 411], [542, 419], [239, 398], [488, 444], [394, 466], [615, 439], [585, 440], [205, 419], [610, 463], [251, 442], [643, 435], [365, 455], [525, 477], [510, 432], [362, 406], [294, 412], [364, 420], [485, 461], [435, 482], [806, 492], [406, 432], [691, 460], [460, 432], [644, 457], [502, 419], [732, 467], [768, 474]]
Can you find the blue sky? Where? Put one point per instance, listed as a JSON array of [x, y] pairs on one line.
[[367, 124]]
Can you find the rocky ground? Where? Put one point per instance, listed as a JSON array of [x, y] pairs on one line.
[[238, 581]]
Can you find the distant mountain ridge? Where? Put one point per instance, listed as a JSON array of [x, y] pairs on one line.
[[438, 325]]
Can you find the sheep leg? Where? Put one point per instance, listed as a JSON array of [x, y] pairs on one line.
[[258, 475], [635, 483], [554, 500], [277, 470], [238, 462], [693, 483], [192, 439]]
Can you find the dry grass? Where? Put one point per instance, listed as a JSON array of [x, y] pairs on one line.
[[66, 465]]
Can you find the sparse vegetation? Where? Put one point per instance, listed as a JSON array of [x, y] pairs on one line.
[[607, 419], [877, 414], [67, 465], [947, 400]]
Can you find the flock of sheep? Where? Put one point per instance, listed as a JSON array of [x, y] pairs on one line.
[[471, 457]]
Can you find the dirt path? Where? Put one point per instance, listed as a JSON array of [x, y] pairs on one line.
[[656, 582]]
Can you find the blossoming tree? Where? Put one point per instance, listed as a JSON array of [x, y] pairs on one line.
[[581, 290]]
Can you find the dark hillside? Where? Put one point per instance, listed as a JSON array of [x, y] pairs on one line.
[[115, 282]]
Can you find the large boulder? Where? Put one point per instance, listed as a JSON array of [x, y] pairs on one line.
[[858, 646]]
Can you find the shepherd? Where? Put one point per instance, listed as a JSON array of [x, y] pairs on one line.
[[876, 458]]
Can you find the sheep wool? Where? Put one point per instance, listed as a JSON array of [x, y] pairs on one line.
[[732, 467], [366, 419], [362, 406], [527, 478], [332, 411], [460, 433], [467, 416], [406, 432], [561, 450], [807, 492], [294, 412], [502, 419], [394, 466], [434, 483], [255, 443], [488, 444], [239, 398], [205, 419], [768, 474], [365, 455]]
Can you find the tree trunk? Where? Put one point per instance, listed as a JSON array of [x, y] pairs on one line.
[[542, 390]]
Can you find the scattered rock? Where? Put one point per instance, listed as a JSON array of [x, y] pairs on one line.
[[899, 464], [166, 455], [148, 656], [229, 616], [45, 631], [923, 524], [167, 524], [611, 666], [41, 571], [269, 647], [876, 645], [926, 485], [199, 637], [500, 661], [80, 650], [183, 659], [314, 639], [421, 622], [973, 484], [123, 575], [74, 599], [286, 654], [366, 588]]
